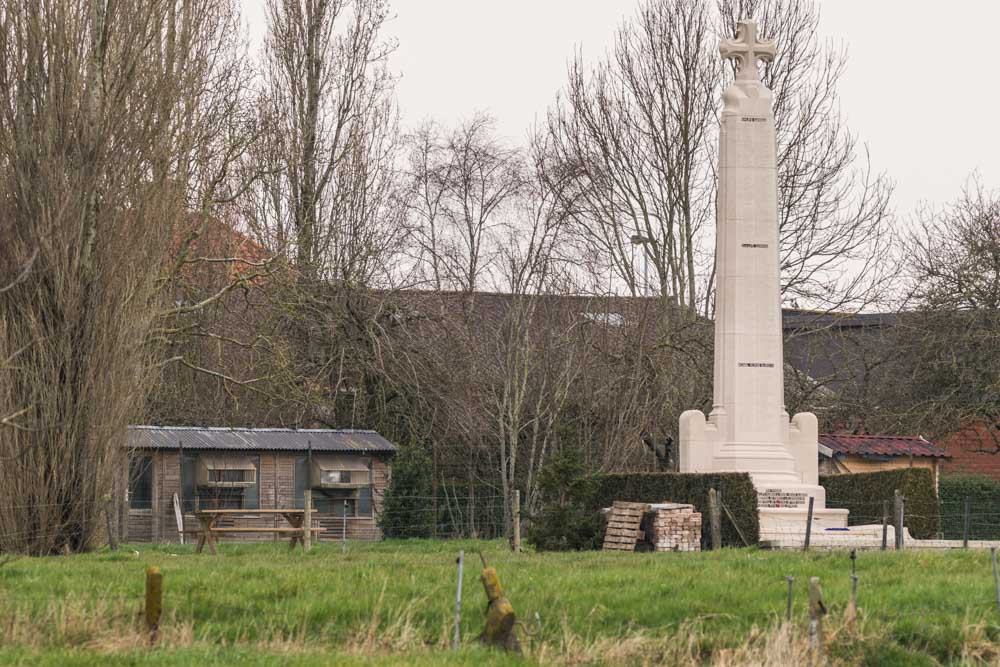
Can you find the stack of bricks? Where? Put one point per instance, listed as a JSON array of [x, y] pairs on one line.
[[673, 527]]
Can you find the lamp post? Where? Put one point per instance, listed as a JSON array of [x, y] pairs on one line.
[[639, 239]]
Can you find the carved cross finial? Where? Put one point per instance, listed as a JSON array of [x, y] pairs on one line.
[[747, 50]]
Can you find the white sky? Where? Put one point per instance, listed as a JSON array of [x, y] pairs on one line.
[[919, 89]]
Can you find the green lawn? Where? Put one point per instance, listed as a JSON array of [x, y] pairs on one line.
[[382, 602]]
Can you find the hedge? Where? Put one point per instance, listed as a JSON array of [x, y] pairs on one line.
[[864, 493], [736, 490], [571, 518], [983, 494]]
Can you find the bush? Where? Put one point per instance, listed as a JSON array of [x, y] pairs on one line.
[[571, 519], [407, 511], [567, 521], [983, 494], [864, 494]]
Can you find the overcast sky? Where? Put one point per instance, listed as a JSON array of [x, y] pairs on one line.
[[919, 90]]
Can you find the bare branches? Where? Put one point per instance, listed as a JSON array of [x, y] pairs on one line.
[[460, 187]]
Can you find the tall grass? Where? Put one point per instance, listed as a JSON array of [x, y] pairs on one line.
[[386, 602]]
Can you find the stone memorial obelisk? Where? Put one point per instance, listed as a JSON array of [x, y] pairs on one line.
[[748, 429]]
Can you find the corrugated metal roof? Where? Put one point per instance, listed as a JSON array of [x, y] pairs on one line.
[[881, 445], [282, 439]]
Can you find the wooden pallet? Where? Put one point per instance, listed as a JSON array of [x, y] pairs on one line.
[[624, 521]]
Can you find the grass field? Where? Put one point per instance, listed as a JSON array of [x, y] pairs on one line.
[[393, 602]]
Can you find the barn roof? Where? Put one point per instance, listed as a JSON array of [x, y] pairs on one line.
[[881, 445], [247, 439]]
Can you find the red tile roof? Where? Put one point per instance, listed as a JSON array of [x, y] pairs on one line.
[[881, 445]]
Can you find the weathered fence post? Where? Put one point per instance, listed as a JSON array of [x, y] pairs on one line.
[[788, 607], [897, 517], [458, 600], [885, 524], [154, 601], [307, 497], [965, 525], [715, 519], [516, 543], [809, 525], [816, 611], [109, 514]]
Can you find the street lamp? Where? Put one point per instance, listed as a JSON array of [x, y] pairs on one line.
[[639, 239]]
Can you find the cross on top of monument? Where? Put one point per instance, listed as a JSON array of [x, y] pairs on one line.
[[747, 49]]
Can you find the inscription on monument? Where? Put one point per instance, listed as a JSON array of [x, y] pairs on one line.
[[755, 364], [754, 245], [754, 119]]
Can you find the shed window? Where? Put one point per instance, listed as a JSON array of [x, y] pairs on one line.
[[140, 482], [340, 472], [211, 480]]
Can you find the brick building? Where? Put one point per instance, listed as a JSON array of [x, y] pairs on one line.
[[246, 468], [845, 453]]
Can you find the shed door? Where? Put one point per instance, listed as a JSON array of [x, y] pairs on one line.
[[300, 480]]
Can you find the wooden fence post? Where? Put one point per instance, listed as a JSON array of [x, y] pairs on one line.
[[307, 520], [109, 514], [516, 543], [809, 524], [715, 519], [154, 601], [816, 611]]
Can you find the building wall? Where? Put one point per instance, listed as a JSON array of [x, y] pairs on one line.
[[277, 491], [974, 451], [857, 464]]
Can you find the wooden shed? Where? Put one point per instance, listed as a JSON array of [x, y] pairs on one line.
[[175, 469]]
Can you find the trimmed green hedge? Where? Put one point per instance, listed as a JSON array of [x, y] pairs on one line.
[[983, 494], [736, 490], [863, 494]]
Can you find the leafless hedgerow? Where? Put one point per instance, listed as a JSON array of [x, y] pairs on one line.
[[101, 139]]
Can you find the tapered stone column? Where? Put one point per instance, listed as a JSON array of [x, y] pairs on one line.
[[748, 429]]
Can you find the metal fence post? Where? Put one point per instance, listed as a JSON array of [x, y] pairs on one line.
[[965, 525], [897, 517], [788, 607], [516, 543], [885, 524], [809, 524], [458, 600]]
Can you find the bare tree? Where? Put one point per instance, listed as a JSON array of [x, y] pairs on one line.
[[101, 141], [836, 225], [330, 135], [461, 184], [640, 129]]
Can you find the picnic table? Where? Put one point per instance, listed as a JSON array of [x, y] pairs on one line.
[[208, 530]]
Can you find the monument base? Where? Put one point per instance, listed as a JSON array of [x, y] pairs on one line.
[[785, 474], [789, 523]]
